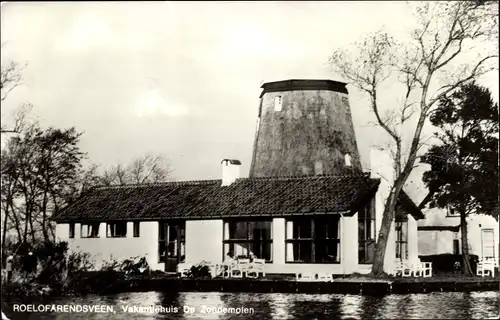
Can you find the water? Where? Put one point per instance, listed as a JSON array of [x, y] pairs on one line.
[[443, 305]]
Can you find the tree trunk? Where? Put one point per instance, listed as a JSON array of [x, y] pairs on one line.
[[32, 227], [17, 224], [466, 267], [385, 228], [26, 222], [4, 230]]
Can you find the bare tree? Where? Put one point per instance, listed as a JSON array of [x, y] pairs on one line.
[[443, 53], [146, 169], [149, 169], [11, 78], [39, 168]]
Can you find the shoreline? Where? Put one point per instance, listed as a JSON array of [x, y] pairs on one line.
[[352, 285], [365, 287]]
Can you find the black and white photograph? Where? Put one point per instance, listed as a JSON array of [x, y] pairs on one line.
[[250, 160]]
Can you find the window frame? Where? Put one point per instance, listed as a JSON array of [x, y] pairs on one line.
[[313, 240], [88, 224], [365, 241], [401, 222], [71, 230], [165, 240], [109, 229], [247, 240], [136, 229], [452, 213]]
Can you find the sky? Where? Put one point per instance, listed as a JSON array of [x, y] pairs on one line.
[[181, 79]]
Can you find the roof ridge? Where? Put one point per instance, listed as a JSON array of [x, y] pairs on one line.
[[309, 177], [214, 181], [154, 184]]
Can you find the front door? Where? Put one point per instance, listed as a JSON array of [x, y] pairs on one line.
[[172, 244]]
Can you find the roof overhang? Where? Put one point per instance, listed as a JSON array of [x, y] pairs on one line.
[[439, 228]]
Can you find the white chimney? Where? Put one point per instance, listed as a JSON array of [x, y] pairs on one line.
[[381, 164], [230, 171]]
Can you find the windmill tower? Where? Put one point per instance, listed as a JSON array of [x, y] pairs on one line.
[[304, 127]]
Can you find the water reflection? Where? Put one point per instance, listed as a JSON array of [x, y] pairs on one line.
[[351, 307], [193, 305]]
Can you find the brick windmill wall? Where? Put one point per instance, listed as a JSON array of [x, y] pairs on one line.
[[304, 127]]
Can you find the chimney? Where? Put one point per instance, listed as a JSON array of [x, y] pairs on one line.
[[230, 171], [381, 164]]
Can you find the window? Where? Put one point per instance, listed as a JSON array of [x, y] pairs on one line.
[[248, 238], [278, 101], [401, 229], [366, 234], [90, 230], [172, 241], [347, 159], [117, 229], [137, 230], [71, 229], [313, 240], [451, 212]]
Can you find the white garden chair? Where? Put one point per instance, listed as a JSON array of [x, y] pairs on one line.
[[257, 266], [486, 267], [407, 269], [240, 269], [422, 269]]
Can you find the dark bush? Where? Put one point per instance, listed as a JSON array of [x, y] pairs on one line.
[[199, 271]]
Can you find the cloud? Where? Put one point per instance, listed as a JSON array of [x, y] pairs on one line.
[[152, 103]]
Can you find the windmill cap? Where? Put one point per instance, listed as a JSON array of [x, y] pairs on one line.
[[303, 84]]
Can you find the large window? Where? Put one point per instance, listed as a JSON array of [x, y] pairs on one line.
[[401, 229], [116, 229], [313, 240], [366, 234], [172, 241], [248, 238], [90, 230]]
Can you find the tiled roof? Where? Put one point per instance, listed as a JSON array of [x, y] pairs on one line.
[[208, 199]]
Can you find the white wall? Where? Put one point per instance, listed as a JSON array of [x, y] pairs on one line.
[[441, 242], [435, 242], [104, 249], [278, 233], [204, 241], [349, 243]]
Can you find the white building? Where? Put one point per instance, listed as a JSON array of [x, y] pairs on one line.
[[439, 233], [317, 223]]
